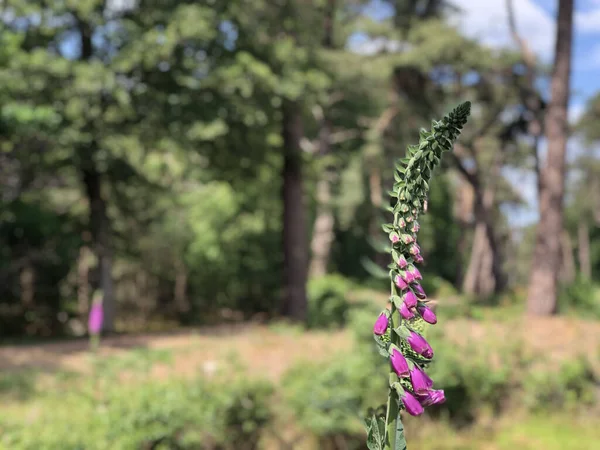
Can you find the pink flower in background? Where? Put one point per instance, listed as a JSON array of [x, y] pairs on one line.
[[96, 318]]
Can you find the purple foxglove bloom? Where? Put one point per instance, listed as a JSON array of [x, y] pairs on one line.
[[402, 223], [419, 291], [399, 364], [412, 405], [405, 312], [420, 345], [407, 239], [381, 325], [95, 318], [402, 263], [394, 238], [415, 228], [416, 274], [433, 397], [420, 381], [409, 219], [414, 250], [427, 315], [418, 258], [401, 283], [410, 299], [409, 277]]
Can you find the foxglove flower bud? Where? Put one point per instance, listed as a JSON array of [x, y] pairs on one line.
[[95, 319], [381, 325], [409, 219], [402, 223], [412, 405], [402, 263], [407, 239], [405, 312], [415, 228], [401, 283], [421, 383], [399, 364], [416, 274], [420, 345], [394, 238], [433, 397], [427, 314], [419, 291], [418, 258], [408, 276], [410, 299], [414, 250]]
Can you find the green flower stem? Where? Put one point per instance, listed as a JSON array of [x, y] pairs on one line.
[[393, 409]]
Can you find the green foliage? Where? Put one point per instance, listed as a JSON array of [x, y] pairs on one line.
[[572, 386], [328, 301], [329, 399], [173, 415], [581, 297]]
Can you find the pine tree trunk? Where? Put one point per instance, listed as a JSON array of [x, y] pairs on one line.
[[323, 234], [583, 250], [101, 237], [295, 248], [567, 270], [543, 280], [485, 275], [83, 289], [180, 289]]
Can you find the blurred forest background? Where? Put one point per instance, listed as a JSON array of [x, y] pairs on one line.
[[219, 170]]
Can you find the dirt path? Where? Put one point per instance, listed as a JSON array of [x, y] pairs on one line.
[[262, 350], [270, 351]]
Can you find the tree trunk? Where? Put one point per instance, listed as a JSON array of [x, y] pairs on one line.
[[567, 269], [485, 274], [180, 290], [83, 289], [27, 285], [583, 250], [323, 234], [542, 292], [295, 249], [100, 230]]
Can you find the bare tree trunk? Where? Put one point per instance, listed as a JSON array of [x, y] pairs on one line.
[[567, 270], [583, 250], [27, 285], [83, 275], [100, 230], [322, 237], [295, 249], [180, 290], [543, 280], [323, 234]]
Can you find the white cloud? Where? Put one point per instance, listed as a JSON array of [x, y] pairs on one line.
[[575, 111], [487, 21], [588, 21]]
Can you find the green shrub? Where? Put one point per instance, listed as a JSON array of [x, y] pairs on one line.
[[176, 415], [328, 399], [572, 385], [328, 301], [582, 296]]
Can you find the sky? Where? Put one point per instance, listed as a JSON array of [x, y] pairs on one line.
[[487, 21]]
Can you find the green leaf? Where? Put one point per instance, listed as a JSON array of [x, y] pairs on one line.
[[400, 443]]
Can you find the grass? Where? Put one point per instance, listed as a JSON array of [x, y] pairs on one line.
[[269, 351]]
